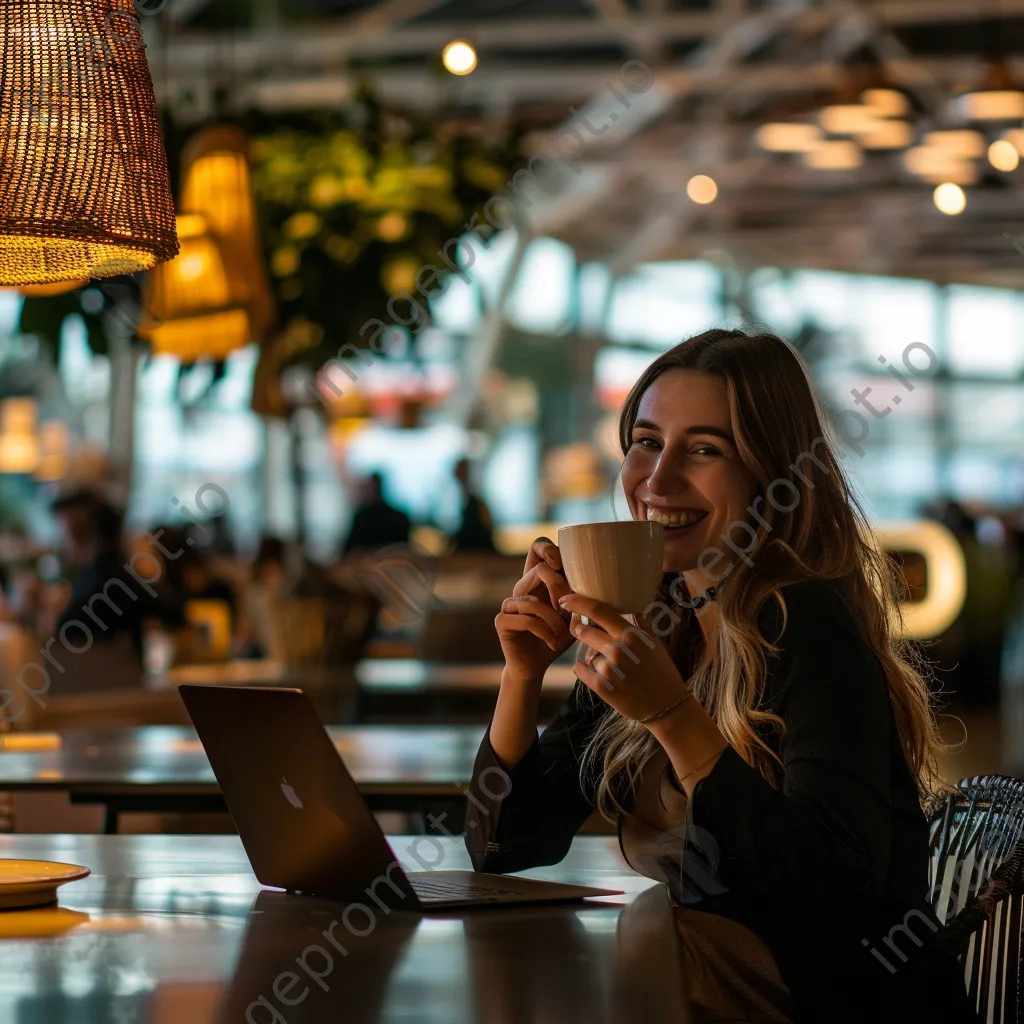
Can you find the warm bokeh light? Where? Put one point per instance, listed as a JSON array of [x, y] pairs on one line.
[[54, 450], [938, 164], [1015, 136], [949, 198], [993, 105], [848, 119], [392, 227], [459, 57], [946, 574], [19, 443], [1003, 155], [885, 102], [962, 142], [702, 189], [834, 155], [888, 135], [788, 137]]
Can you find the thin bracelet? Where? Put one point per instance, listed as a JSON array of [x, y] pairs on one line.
[[666, 711], [698, 768]]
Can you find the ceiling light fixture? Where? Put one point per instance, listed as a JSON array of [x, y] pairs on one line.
[[459, 57], [702, 189], [83, 170], [949, 198]]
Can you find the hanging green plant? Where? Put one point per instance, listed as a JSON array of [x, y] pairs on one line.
[[353, 204]]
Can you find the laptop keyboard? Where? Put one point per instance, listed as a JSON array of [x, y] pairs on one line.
[[436, 889]]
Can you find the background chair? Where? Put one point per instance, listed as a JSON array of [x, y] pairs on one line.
[[977, 888]]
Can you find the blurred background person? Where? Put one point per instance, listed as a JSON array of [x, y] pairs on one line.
[[476, 530], [375, 524], [92, 546], [111, 603]]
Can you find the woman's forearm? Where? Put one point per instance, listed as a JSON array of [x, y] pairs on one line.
[[692, 741], [514, 725]]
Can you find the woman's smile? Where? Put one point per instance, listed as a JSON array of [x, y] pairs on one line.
[[673, 519]]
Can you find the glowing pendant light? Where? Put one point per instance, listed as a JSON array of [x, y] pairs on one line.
[[84, 190], [19, 445], [190, 312], [216, 183]]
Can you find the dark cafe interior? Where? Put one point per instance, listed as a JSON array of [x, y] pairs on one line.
[[511, 511]]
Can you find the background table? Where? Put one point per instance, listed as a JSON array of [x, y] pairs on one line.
[[164, 768], [380, 689], [161, 933]]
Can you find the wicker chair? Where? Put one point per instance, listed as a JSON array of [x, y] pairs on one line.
[[977, 888]]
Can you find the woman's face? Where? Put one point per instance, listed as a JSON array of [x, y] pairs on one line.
[[683, 470]]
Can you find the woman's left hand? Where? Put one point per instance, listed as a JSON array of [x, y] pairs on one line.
[[632, 670]]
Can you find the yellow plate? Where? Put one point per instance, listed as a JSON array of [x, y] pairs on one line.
[[41, 923], [33, 883]]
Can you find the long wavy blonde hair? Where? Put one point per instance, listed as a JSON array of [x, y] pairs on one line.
[[780, 435]]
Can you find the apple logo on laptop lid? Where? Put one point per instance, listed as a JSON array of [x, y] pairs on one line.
[[289, 794]]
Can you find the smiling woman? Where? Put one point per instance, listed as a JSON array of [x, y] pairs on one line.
[[761, 734]]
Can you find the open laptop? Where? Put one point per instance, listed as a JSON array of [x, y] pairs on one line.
[[303, 822]]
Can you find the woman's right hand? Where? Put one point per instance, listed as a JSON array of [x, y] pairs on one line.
[[533, 630]]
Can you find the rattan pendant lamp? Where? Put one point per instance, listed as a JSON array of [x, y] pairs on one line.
[[84, 189], [216, 182]]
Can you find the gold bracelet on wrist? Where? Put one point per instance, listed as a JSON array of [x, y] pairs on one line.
[[666, 711]]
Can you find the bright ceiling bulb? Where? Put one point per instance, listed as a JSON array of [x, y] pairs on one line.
[[949, 198], [459, 57], [702, 189], [1003, 155]]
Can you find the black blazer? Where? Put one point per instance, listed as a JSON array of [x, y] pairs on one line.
[[825, 868]]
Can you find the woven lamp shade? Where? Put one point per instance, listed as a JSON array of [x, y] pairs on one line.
[[84, 189], [216, 182], [189, 300]]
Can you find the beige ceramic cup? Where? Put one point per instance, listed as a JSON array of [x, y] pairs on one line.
[[618, 563]]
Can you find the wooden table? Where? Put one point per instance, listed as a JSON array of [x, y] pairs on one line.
[[164, 768], [380, 689], [167, 930]]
